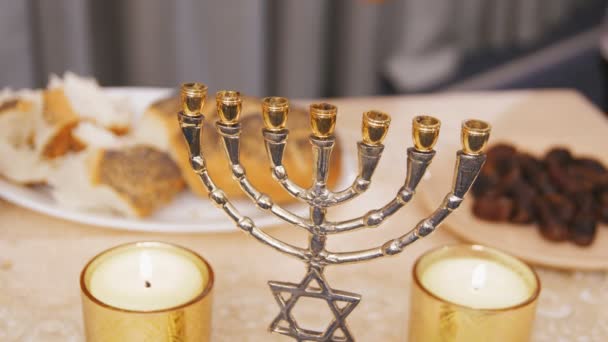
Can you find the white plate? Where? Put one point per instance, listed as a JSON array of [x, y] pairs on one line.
[[186, 213]]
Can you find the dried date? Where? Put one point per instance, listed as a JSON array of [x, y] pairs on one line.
[[566, 196]]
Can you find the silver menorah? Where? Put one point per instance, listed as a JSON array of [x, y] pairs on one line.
[[425, 131]]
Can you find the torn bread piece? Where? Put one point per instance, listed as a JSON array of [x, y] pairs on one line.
[[132, 181], [88, 100], [19, 161], [70, 101], [94, 136], [18, 112], [159, 127], [53, 132]]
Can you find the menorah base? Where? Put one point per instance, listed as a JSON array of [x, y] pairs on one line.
[[313, 285]]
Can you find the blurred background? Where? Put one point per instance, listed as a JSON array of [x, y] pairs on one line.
[[310, 48]]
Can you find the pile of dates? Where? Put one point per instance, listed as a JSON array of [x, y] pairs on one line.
[[564, 195]]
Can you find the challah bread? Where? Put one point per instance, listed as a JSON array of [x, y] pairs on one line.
[[159, 128]]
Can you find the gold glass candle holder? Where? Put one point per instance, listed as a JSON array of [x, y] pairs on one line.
[[147, 291], [472, 293]]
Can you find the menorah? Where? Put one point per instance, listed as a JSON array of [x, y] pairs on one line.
[[425, 131]]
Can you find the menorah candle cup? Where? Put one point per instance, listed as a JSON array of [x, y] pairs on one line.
[[375, 126], [425, 132], [193, 96], [472, 293], [147, 291], [475, 135], [274, 112], [323, 119], [229, 105]]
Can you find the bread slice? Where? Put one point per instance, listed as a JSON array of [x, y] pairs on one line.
[[72, 100], [160, 128], [132, 181], [19, 161]]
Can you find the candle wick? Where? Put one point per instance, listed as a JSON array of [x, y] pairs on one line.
[[148, 284]]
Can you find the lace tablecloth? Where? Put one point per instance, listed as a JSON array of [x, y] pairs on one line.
[[39, 293], [41, 258]]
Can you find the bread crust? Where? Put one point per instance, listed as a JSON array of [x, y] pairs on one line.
[[59, 120], [142, 176]]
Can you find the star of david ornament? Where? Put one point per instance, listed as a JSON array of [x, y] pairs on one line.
[[314, 285]]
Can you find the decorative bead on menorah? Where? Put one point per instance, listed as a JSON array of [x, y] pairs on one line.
[[425, 131]]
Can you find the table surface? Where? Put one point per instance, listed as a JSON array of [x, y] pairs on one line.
[[41, 257]]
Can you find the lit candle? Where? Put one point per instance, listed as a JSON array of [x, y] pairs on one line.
[[146, 278], [147, 286], [472, 293], [476, 282]]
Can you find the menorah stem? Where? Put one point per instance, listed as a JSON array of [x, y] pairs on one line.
[[322, 148], [316, 243]]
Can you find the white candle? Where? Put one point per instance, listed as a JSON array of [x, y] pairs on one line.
[[476, 282], [147, 277], [464, 293]]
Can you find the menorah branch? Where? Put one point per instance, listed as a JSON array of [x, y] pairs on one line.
[[231, 139], [417, 165], [275, 142], [369, 156], [466, 170], [191, 124]]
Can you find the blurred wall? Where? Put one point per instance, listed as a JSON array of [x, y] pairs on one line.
[[285, 47]]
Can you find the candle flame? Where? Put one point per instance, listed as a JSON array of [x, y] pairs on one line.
[[145, 265], [479, 276]]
